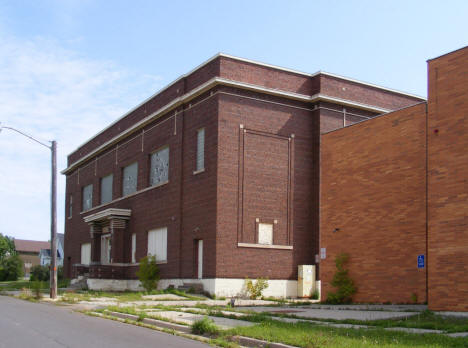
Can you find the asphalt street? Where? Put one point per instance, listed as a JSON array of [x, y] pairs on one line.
[[27, 324]]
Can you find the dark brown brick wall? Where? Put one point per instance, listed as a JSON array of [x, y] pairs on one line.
[[448, 177], [265, 186], [349, 90], [282, 174], [187, 211], [268, 77], [168, 94], [373, 189]]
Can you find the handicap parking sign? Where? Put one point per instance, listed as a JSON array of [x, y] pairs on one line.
[[420, 261]]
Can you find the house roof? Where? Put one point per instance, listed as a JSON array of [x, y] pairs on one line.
[[30, 245], [46, 251]]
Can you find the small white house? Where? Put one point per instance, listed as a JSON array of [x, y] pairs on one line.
[[45, 255]]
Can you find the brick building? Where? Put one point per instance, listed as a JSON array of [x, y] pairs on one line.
[[217, 175], [394, 196]]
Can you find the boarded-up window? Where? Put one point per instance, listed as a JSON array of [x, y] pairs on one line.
[[129, 180], [133, 247], [85, 253], [106, 188], [157, 243], [87, 197], [265, 233], [201, 149], [159, 170]]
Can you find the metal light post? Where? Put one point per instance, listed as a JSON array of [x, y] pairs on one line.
[[53, 209]]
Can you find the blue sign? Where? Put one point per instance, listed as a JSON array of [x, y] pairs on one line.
[[420, 261]]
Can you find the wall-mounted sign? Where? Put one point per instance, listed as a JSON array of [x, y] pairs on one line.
[[323, 253], [420, 261]]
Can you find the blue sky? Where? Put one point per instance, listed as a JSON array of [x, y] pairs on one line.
[[69, 68]]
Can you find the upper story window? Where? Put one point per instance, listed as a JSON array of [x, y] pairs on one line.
[[159, 168], [70, 206], [87, 202], [106, 188], [129, 179], [200, 149]]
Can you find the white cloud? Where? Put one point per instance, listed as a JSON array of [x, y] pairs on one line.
[[52, 93]]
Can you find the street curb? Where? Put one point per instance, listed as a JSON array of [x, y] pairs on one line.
[[155, 322], [253, 342]]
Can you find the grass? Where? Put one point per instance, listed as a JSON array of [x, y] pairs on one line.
[[424, 320], [126, 296], [204, 326], [20, 284], [310, 336]]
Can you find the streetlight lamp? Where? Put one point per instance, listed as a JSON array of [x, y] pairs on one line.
[[53, 208]]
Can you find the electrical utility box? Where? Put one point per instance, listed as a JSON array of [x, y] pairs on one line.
[[306, 280]]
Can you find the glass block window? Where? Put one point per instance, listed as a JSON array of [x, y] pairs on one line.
[[159, 169], [201, 149], [157, 243], [265, 233], [129, 180], [70, 206], [106, 188], [87, 197]]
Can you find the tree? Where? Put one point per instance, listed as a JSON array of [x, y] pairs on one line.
[[148, 273], [39, 273], [345, 288], [11, 268], [7, 247]]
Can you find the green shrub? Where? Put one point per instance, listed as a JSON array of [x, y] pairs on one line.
[[11, 268], [39, 273], [255, 289], [315, 295], [148, 273], [344, 285], [60, 274], [36, 288], [204, 326]]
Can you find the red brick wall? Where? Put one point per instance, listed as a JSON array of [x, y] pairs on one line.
[[373, 189], [448, 177]]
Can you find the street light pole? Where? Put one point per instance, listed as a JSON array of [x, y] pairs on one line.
[[53, 222], [53, 209]]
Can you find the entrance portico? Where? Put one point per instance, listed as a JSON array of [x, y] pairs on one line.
[[111, 224]]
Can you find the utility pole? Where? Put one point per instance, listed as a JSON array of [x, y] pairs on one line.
[[53, 209], [53, 222]]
